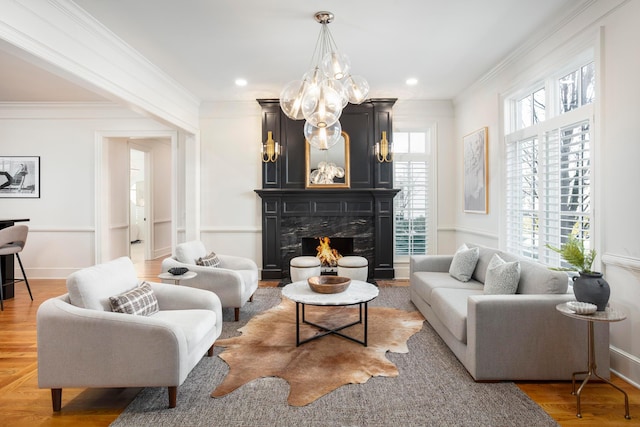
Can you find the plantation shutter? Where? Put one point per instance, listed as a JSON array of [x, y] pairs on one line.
[[568, 178], [411, 206], [522, 197]]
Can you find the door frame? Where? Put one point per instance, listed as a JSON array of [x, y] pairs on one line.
[[102, 201]]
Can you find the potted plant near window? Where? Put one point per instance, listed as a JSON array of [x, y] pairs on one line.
[[589, 286]]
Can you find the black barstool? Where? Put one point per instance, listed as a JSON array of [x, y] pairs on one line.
[[12, 241]]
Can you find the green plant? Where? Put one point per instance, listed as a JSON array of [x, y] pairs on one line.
[[575, 254]]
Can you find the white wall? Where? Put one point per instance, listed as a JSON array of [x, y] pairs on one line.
[[616, 152], [62, 226], [230, 134], [436, 116]]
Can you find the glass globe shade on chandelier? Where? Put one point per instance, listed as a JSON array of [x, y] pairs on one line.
[[324, 90]]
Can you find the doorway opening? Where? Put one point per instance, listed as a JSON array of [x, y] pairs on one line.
[[138, 201]]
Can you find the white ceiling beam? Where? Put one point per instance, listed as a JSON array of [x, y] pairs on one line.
[[66, 40]]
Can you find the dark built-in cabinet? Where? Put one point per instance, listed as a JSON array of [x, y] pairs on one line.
[[364, 211]]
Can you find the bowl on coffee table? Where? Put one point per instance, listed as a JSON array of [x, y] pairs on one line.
[[328, 284]]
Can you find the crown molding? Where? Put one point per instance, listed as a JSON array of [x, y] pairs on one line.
[[66, 40]]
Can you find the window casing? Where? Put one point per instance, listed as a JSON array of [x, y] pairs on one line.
[[548, 167], [411, 171]]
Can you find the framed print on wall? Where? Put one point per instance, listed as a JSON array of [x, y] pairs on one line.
[[476, 172], [19, 177]]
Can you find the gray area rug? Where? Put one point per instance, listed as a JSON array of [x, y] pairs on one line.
[[433, 389]]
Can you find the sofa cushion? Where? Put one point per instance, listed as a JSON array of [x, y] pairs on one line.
[[502, 277], [210, 260], [450, 305], [91, 287], [464, 263], [189, 252], [485, 254], [536, 278], [424, 282], [140, 301]]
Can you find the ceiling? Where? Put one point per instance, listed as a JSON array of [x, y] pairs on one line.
[[206, 45]]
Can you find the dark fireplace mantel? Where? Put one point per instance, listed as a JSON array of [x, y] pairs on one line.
[[364, 211], [288, 215]]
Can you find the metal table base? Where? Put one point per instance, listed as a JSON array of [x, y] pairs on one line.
[[591, 371], [300, 307]]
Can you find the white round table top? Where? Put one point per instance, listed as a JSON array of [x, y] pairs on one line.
[[608, 315], [185, 276], [357, 292]]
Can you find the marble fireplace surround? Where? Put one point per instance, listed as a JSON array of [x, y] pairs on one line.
[[288, 215]]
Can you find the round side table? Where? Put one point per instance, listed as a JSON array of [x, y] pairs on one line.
[[177, 278], [609, 315]]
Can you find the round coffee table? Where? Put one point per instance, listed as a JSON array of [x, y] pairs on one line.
[[358, 292]]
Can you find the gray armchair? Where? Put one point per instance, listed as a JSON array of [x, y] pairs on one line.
[[82, 343], [234, 281]]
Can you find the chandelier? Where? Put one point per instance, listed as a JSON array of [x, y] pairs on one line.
[[324, 90]]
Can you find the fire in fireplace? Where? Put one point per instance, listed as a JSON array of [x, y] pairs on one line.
[[328, 250], [328, 255]]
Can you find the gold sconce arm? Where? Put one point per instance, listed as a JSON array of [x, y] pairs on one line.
[[384, 150], [270, 149]]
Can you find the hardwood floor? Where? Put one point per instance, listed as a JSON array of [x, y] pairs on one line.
[[22, 403]]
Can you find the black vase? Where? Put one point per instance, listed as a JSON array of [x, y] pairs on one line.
[[592, 288]]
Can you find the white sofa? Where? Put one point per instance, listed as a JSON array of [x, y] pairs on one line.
[[505, 337], [82, 343], [234, 281]]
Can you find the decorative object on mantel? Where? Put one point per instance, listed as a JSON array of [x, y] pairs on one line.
[[384, 150], [589, 286], [270, 149], [324, 90]]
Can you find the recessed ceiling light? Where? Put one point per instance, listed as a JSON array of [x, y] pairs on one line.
[[412, 81], [241, 82]]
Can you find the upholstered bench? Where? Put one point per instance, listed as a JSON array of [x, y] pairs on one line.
[[353, 267], [303, 267]]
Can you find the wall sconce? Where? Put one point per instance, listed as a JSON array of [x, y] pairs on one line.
[[270, 149], [384, 150]]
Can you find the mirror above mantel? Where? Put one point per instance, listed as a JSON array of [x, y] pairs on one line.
[[328, 168]]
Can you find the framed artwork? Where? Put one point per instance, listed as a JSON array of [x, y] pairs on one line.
[[476, 172], [19, 177]]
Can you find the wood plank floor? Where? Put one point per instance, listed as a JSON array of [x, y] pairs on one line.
[[22, 403]]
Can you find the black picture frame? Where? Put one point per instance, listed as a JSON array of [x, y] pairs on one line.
[[20, 177]]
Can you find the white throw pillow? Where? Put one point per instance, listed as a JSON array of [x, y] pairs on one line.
[[464, 262], [502, 277]]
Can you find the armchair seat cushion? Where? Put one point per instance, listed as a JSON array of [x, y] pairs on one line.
[[195, 324]]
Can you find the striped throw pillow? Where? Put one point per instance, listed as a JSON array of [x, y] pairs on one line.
[[140, 301], [210, 260]]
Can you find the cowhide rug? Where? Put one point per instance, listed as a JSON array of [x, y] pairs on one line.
[[267, 348]]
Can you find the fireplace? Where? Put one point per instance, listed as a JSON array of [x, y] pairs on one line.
[[366, 216], [363, 211]]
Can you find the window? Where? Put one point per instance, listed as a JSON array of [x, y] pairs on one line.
[[548, 167], [411, 176]]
